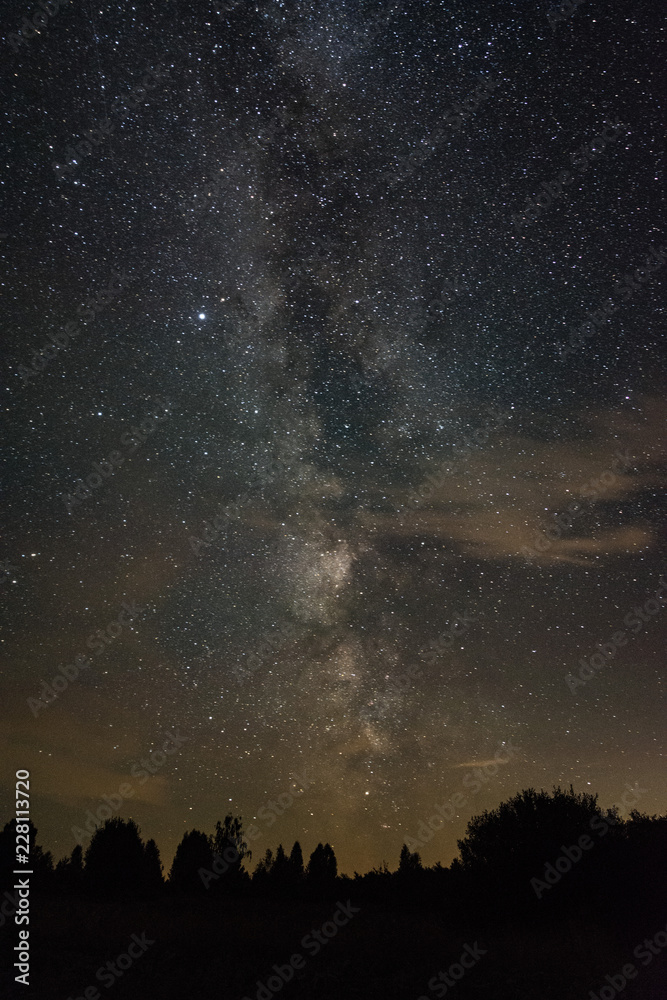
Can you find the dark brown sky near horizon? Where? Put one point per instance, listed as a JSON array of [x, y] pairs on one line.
[[360, 356]]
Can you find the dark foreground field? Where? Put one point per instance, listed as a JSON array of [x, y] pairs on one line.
[[208, 949]]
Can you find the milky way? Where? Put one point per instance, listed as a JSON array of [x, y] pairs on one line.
[[357, 259]]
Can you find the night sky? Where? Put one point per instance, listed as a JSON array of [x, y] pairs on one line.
[[321, 279]]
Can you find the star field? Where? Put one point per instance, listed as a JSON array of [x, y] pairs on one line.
[[331, 246]]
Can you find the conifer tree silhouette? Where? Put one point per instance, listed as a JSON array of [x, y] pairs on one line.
[[193, 855], [296, 864], [280, 873], [322, 868], [409, 862], [262, 874]]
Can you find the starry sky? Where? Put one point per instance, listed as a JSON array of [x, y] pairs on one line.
[[321, 268]]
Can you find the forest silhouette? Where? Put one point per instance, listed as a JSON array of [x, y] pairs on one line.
[[541, 872]]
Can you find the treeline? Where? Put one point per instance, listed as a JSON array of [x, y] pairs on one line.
[[118, 864], [538, 853]]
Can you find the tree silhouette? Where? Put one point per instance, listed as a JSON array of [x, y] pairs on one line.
[[296, 863], [280, 871], [153, 880], [409, 862], [194, 855], [409, 879], [42, 866], [322, 868], [261, 876], [506, 856], [115, 862], [68, 875], [523, 828], [280, 879], [229, 850], [505, 848], [630, 873], [330, 862]]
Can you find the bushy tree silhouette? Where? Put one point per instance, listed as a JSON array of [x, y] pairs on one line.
[[152, 868], [229, 850], [630, 872], [68, 875], [521, 830], [505, 848]]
